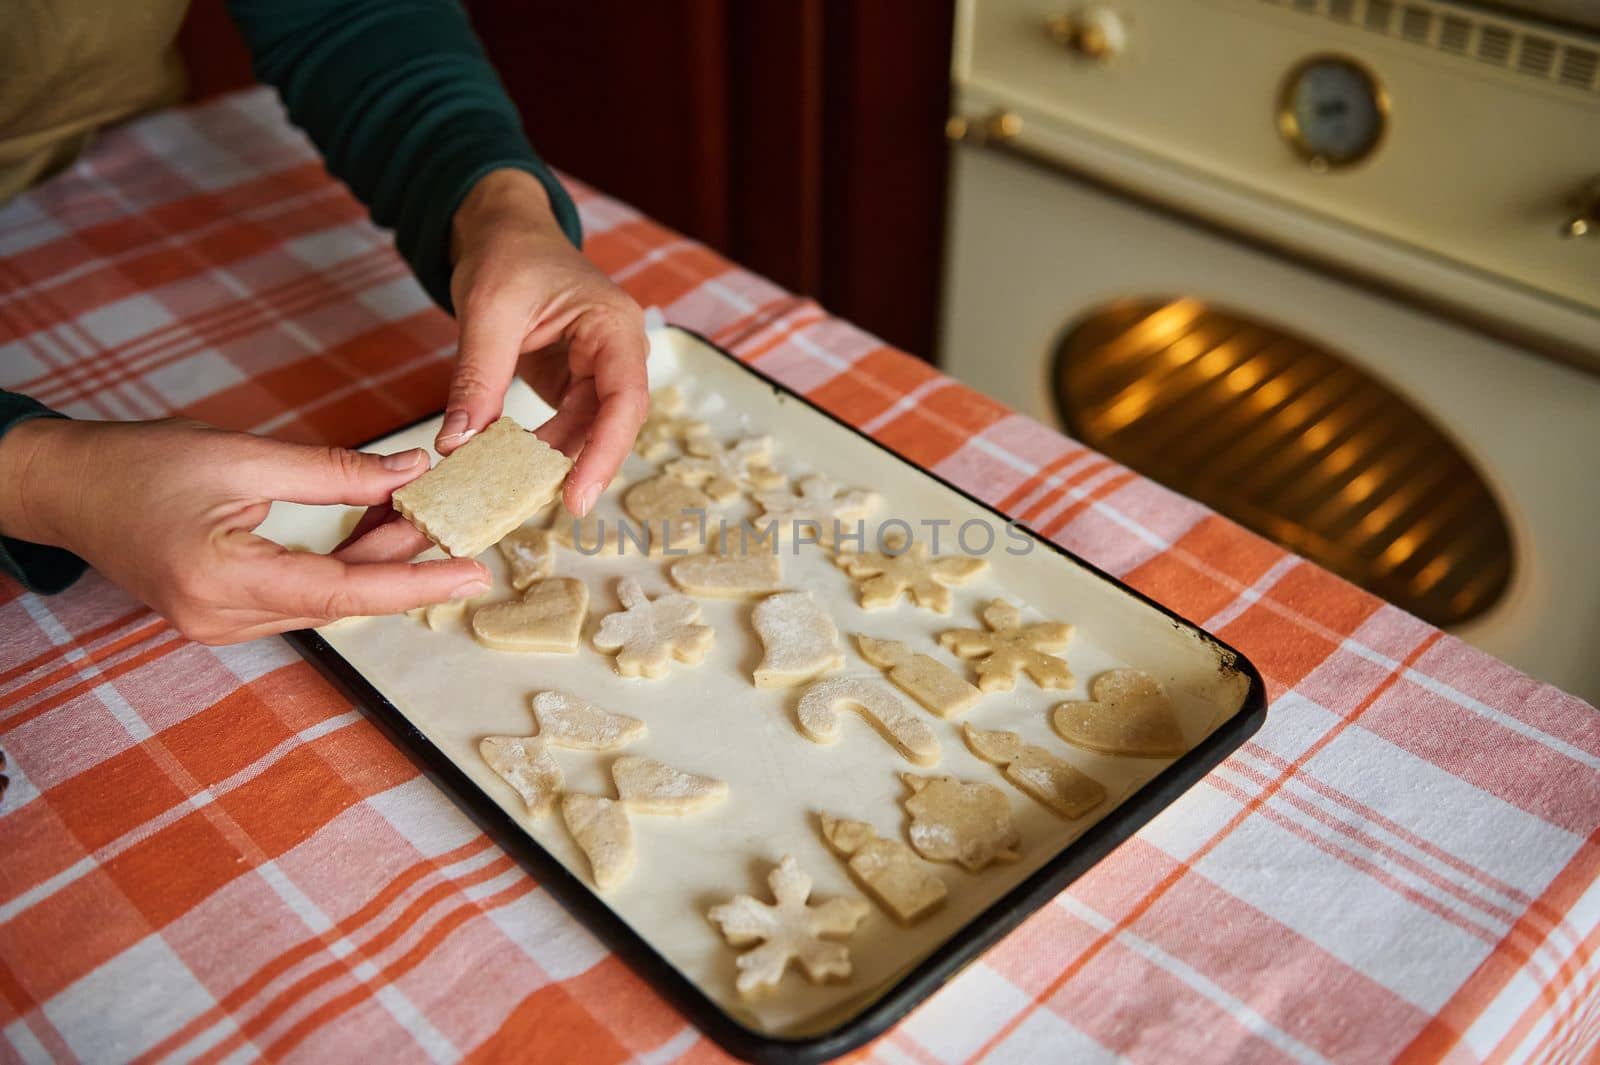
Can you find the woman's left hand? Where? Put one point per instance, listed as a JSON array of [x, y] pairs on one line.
[[521, 289]]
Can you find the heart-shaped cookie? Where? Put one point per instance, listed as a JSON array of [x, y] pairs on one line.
[[1127, 714], [548, 617]]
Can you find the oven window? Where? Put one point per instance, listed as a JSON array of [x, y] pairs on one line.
[[1287, 438]]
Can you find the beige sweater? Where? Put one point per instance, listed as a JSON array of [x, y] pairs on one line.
[[69, 67]]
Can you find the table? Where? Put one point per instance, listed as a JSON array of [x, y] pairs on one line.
[[207, 854]]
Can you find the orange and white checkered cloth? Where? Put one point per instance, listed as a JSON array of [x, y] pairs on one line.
[[209, 854]]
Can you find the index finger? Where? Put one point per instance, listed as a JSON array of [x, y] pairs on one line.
[[621, 385]]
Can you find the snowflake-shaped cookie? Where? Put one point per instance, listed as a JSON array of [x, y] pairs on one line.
[[881, 579], [816, 503], [1010, 647], [790, 930], [723, 470], [647, 634], [666, 427]]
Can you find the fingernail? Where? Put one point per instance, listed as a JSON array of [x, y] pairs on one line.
[[586, 499], [476, 586], [455, 423], [401, 460]]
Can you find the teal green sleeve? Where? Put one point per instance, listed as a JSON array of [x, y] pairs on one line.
[[405, 107], [38, 567]]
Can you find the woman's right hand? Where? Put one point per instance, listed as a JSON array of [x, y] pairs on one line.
[[167, 510]]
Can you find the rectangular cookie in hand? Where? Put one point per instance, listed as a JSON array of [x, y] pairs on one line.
[[484, 489]]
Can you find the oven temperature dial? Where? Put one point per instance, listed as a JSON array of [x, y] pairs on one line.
[[1332, 111]]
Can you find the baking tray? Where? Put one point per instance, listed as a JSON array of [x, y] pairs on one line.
[[435, 693]]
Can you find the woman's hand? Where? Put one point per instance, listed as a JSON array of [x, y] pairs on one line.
[[520, 287], [166, 510]]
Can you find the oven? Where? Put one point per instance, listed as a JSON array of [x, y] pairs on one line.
[[1329, 266]]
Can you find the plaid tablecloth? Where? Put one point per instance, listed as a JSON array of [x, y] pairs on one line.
[[208, 854]]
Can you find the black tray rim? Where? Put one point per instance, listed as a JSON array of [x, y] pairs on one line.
[[947, 960]]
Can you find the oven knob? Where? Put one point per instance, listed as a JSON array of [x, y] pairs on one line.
[[1586, 222], [1094, 32]]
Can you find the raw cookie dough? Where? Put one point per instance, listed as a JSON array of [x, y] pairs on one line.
[[674, 513], [820, 721], [727, 575], [592, 535], [722, 470], [523, 762], [789, 930], [484, 489], [800, 640], [1036, 771], [886, 869], [530, 555], [647, 786], [927, 680], [960, 821], [568, 721], [881, 579], [815, 503], [1128, 714], [438, 616], [647, 634], [1010, 647], [601, 829], [666, 427], [548, 617]]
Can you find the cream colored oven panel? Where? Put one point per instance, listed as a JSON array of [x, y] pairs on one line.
[[1031, 251], [1487, 153]]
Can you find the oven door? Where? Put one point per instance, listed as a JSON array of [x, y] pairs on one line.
[[1034, 253]]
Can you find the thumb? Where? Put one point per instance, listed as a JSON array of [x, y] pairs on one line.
[[302, 473], [486, 361]]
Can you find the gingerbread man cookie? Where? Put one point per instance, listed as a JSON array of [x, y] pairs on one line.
[[815, 504], [648, 634], [882, 578], [1010, 647], [723, 470]]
